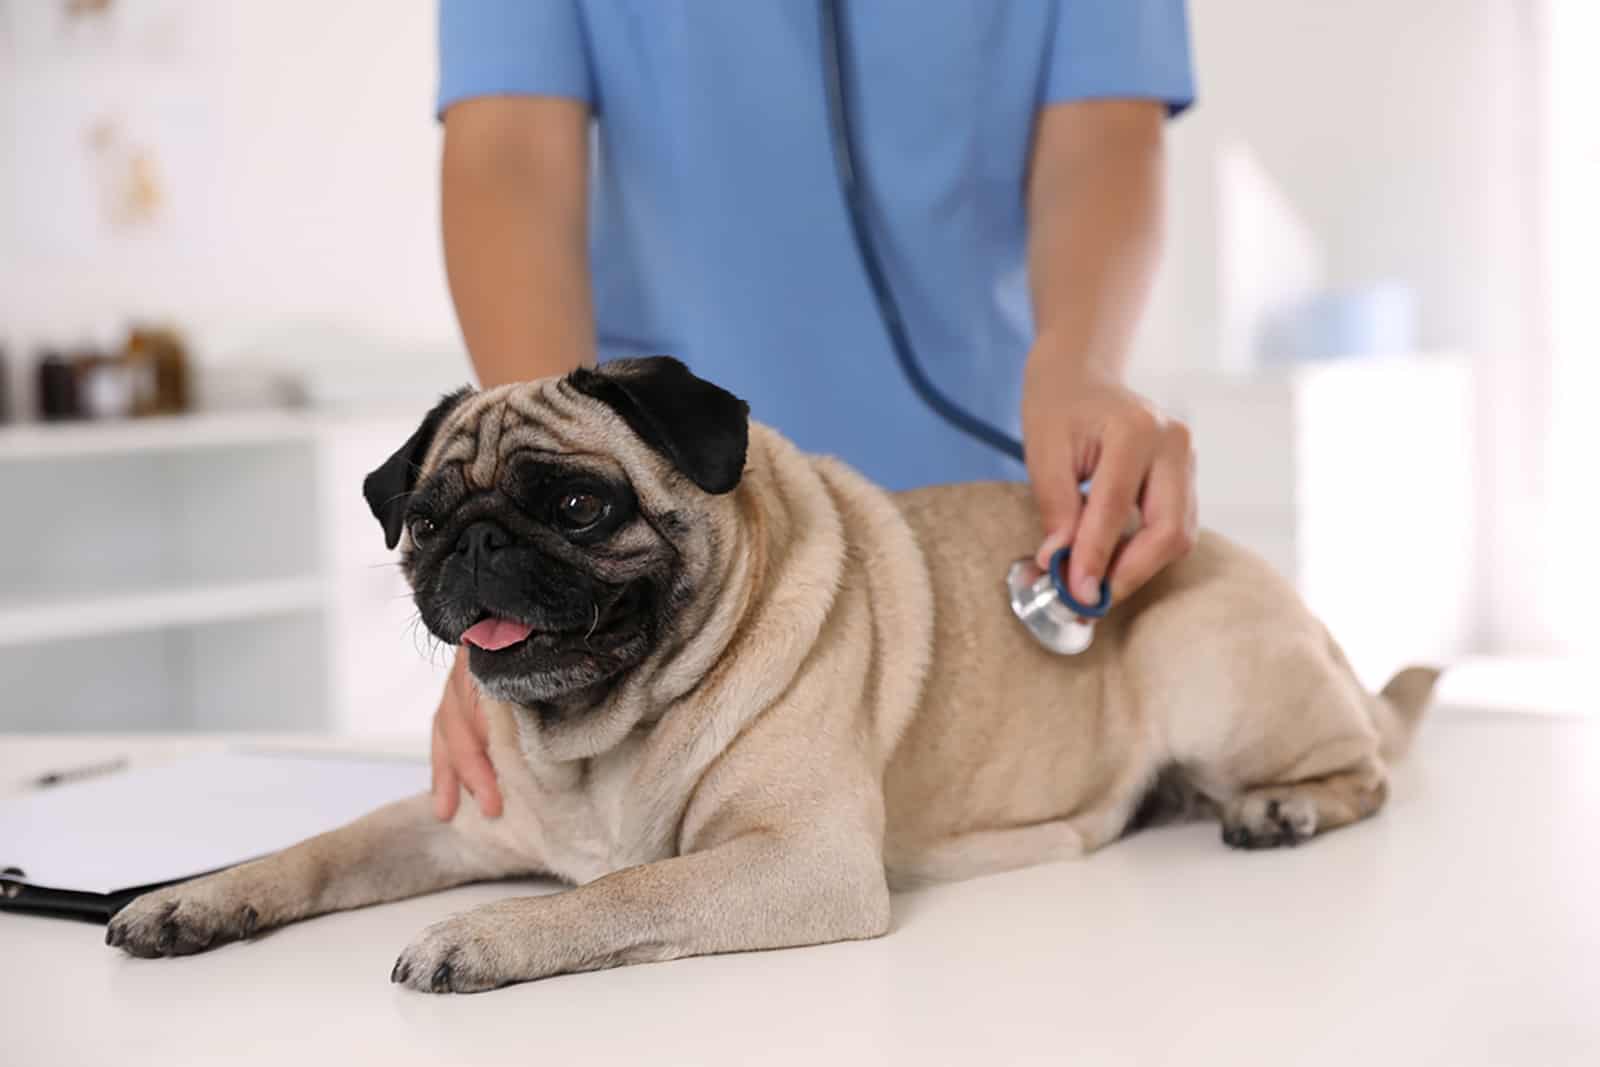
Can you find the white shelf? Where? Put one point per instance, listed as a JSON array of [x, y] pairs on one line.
[[39, 619], [45, 441]]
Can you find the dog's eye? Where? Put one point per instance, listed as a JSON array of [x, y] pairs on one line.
[[578, 510], [422, 529]]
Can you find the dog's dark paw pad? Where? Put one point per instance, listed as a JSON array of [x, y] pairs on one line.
[[1260, 821], [455, 956], [434, 969], [178, 923]]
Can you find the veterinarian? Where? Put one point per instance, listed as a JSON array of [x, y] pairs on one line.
[[1013, 155]]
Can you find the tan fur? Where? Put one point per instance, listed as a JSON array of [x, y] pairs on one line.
[[849, 705]]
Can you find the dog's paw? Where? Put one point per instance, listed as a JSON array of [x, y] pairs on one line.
[[462, 954], [1269, 818], [180, 920]]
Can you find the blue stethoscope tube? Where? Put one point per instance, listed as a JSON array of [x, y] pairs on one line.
[[833, 46]]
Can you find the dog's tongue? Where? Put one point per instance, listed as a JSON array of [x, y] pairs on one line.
[[495, 634]]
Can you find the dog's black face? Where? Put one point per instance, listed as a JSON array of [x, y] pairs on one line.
[[525, 540], [535, 577]]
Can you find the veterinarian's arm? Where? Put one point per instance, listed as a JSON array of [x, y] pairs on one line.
[[515, 197], [515, 191], [1094, 219]]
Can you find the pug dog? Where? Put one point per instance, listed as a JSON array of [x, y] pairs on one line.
[[736, 693]]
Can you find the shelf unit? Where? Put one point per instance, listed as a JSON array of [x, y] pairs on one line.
[[203, 572], [154, 578], [33, 620], [1355, 478], [33, 442]]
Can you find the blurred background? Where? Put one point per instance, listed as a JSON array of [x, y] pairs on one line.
[[222, 301]]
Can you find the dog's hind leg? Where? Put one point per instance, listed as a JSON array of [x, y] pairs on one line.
[[1287, 814], [1296, 770], [1290, 747]]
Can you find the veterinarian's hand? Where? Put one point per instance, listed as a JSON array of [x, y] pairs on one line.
[[1083, 424], [461, 747]]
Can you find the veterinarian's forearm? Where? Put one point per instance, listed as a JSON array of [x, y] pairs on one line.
[[515, 196], [1094, 229]]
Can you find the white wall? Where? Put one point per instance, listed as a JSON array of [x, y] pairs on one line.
[[1571, 578], [295, 139], [1404, 134], [1401, 130]]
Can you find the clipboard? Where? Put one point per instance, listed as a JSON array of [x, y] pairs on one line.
[[82, 850], [29, 899]]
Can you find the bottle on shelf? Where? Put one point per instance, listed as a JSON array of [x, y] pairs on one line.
[[5, 387], [58, 387]]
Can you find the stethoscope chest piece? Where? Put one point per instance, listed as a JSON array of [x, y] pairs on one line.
[[1040, 599]]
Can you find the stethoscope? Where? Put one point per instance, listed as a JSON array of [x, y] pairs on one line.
[[1039, 598]]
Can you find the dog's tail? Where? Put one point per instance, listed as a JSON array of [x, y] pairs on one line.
[[1398, 708]]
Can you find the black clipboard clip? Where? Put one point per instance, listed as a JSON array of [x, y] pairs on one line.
[[21, 896]]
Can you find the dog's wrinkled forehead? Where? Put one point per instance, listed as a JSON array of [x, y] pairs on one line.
[[652, 417], [488, 428]]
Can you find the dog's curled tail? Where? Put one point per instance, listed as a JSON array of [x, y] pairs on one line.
[[1399, 706]]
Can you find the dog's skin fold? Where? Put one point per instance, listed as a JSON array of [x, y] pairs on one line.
[[756, 692]]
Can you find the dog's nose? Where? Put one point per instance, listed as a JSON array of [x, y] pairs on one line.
[[480, 541]]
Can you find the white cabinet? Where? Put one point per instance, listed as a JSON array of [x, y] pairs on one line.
[[1355, 478], [202, 573]]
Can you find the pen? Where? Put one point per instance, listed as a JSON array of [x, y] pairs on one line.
[[78, 774]]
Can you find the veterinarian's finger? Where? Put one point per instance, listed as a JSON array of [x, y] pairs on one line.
[[1170, 520], [477, 721], [1113, 492], [469, 755], [1060, 510], [446, 787]]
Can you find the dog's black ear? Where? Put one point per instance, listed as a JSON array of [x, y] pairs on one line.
[[703, 429], [387, 487]]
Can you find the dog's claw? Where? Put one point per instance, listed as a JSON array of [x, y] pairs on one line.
[[441, 978], [400, 972]]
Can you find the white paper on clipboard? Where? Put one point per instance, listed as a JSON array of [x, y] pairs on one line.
[[160, 823]]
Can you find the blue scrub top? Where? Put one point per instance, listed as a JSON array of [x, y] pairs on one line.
[[717, 226]]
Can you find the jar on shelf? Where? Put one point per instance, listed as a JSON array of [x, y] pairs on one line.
[[159, 366]]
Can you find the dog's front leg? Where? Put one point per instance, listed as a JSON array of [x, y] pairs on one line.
[[397, 851], [756, 891]]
